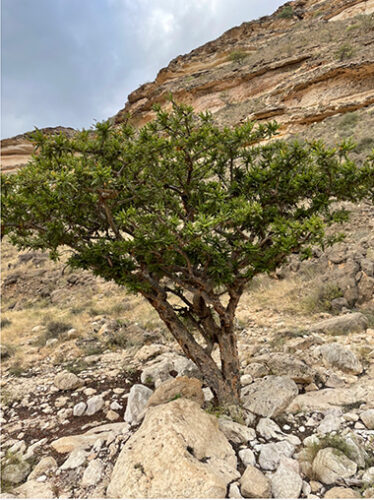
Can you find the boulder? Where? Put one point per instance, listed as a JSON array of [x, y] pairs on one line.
[[326, 399], [136, 403], [93, 473], [286, 364], [247, 457], [342, 325], [180, 387], [368, 418], [162, 368], [15, 473], [287, 482], [76, 458], [235, 432], [340, 492], [337, 356], [35, 489], [268, 429], [254, 483], [67, 381], [45, 465], [269, 396], [331, 465], [178, 452], [271, 454]]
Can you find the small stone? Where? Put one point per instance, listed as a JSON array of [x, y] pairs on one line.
[[66, 381], [115, 406], [112, 415], [234, 491], [311, 387], [76, 458], [246, 380], [368, 418], [208, 394], [41, 479], [93, 473], [94, 405], [237, 433], [315, 486], [46, 464], [339, 492], [330, 423], [89, 391], [247, 457], [254, 484], [79, 409]]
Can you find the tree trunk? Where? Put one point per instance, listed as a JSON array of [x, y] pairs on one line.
[[222, 385], [230, 358]]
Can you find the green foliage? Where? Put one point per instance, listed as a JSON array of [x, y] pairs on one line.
[[181, 208], [286, 13], [237, 56], [344, 52], [330, 441]]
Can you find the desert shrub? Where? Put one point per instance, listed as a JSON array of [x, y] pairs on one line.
[[237, 56], [344, 52], [286, 13], [4, 322], [320, 298], [349, 120]]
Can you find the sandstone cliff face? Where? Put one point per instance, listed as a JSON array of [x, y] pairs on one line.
[[310, 66], [309, 61]]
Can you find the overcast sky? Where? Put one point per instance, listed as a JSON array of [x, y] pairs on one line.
[[71, 62]]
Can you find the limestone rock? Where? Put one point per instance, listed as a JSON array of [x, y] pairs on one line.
[[188, 388], [164, 365], [288, 365], [235, 432], [269, 396], [331, 422], [234, 491], [368, 418], [287, 482], [338, 356], [67, 381], [271, 454], [268, 429], [331, 465], [94, 405], [342, 325], [339, 492], [254, 483], [177, 452], [79, 409], [35, 489], [15, 473], [326, 399], [44, 465], [93, 473], [136, 403], [148, 352], [247, 457], [76, 458]]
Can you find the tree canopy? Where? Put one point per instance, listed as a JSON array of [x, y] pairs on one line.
[[185, 213]]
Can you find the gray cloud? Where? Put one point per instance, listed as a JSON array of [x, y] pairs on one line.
[[69, 62]]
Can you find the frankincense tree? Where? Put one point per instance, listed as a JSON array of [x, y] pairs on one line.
[[183, 212]]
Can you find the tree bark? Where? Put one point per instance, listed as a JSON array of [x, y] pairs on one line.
[[230, 358], [224, 387]]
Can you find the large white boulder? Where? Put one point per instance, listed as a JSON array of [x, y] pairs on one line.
[[178, 452]]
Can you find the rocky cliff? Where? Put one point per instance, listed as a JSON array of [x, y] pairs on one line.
[[310, 66]]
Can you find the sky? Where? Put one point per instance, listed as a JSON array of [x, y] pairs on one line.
[[72, 62]]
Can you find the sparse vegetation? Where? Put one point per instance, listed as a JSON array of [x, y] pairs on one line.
[[320, 298], [335, 441], [5, 322], [237, 56], [286, 13], [344, 52]]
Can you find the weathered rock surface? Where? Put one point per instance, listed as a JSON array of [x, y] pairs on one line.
[[235, 432], [338, 356], [180, 387], [254, 483], [271, 454], [137, 402], [177, 452], [342, 325], [331, 465], [340, 492], [286, 482], [269, 396], [368, 418], [67, 381], [93, 473]]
